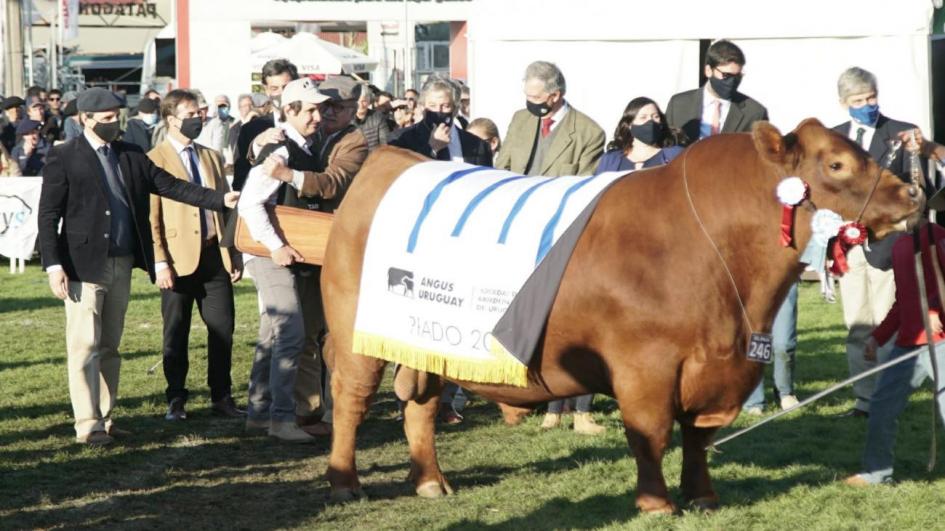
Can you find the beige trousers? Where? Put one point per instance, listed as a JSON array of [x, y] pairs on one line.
[[867, 294], [95, 318]]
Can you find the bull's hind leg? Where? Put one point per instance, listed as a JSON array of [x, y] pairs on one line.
[[696, 484], [419, 425], [648, 423], [354, 381]]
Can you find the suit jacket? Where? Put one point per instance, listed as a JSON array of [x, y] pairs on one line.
[[417, 138], [74, 192], [684, 112], [887, 129], [138, 133], [880, 253], [175, 226], [248, 132], [575, 150], [342, 157]]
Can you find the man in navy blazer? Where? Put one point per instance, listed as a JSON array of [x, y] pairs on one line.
[[437, 135], [100, 189], [867, 289]]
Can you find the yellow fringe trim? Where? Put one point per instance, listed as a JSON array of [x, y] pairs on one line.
[[504, 369]]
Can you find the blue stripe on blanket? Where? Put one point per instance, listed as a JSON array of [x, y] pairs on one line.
[[545, 243], [517, 207], [478, 199], [431, 200]]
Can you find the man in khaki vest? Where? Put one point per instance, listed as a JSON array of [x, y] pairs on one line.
[[189, 262]]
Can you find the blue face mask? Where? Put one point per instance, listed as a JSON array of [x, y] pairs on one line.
[[149, 119], [866, 115], [223, 112]]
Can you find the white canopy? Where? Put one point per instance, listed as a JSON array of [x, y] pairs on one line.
[[310, 54], [614, 50]]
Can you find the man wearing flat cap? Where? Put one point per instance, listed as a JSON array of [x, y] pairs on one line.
[[342, 149], [99, 189], [31, 148], [12, 114]]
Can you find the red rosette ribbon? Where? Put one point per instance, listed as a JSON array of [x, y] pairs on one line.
[[850, 235], [791, 191]]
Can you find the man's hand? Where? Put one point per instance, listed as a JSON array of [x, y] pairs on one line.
[[59, 284], [907, 140], [935, 322], [236, 275], [869, 354], [165, 278], [230, 199], [276, 168], [440, 137], [269, 136], [29, 144], [286, 256]]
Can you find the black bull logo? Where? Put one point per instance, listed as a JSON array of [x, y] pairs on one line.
[[402, 279]]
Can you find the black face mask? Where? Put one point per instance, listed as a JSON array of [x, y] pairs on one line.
[[107, 131], [649, 133], [191, 127], [433, 118], [538, 109], [725, 88]]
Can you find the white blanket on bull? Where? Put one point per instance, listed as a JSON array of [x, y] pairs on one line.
[[449, 248]]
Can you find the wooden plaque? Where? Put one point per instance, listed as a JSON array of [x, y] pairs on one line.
[[306, 231]]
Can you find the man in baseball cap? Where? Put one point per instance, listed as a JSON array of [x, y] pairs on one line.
[[291, 312]]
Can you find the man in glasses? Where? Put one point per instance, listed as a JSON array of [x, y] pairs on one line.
[[54, 110], [716, 107]]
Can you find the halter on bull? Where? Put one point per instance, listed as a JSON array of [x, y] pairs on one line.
[[645, 311]]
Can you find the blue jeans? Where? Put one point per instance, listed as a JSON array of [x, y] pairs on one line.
[[784, 331], [892, 392]]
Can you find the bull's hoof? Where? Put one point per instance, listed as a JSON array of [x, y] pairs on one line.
[[434, 489], [343, 495], [705, 504], [655, 505]]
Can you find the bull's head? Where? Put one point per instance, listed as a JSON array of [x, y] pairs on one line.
[[841, 176]]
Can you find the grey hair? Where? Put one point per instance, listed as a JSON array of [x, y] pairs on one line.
[[855, 80], [547, 73], [437, 83], [244, 97]]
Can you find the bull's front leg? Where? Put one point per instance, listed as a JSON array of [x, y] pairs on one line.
[[696, 483], [419, 426], [648, 423], [354, 382]]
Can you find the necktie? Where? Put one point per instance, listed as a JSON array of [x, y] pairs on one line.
[[716, 117], [546, 126], [859, 137], [111, 174], [195, 175]]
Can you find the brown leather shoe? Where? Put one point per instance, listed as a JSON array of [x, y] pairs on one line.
[[226, 407], [95, 438], [857, 481], [118, 433]]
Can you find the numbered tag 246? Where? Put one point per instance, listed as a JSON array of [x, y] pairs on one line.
[[760, 348]]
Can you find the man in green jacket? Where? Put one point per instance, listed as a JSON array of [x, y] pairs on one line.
[[550, 137]]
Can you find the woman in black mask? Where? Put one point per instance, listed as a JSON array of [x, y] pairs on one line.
[[642, 139]]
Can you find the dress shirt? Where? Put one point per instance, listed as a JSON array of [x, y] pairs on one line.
[[558, 117], [708, 104], [456, 148], [260, 190], [867, 134]]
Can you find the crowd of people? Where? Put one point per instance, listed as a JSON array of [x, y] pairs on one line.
[[300, 143]]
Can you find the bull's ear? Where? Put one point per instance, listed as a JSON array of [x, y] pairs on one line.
[[769, 142]]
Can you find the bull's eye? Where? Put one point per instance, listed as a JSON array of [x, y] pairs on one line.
[[835, 166]]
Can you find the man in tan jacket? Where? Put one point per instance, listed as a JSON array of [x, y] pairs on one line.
[[550, 137], [189, 262], [342, 150]]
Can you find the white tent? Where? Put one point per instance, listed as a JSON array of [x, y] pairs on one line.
[[614, 50], [310, 54]]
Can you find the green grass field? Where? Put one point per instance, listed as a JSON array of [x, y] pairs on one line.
[[204, 473]]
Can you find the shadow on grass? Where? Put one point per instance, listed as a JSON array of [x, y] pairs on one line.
[[22, 364], [28, 304]]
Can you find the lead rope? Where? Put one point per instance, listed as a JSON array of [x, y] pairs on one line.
[[924, 303], [718, 253]]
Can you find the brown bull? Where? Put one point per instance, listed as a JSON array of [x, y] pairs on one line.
[[646, 312]]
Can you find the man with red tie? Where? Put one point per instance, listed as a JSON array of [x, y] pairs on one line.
[[550, 137]]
